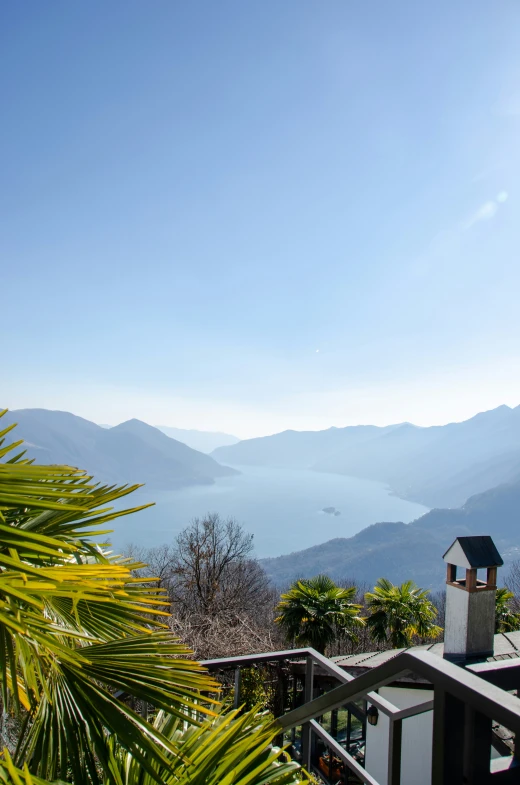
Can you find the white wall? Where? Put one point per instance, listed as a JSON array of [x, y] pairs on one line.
[[456, 621], [416, 759], [470, 621]]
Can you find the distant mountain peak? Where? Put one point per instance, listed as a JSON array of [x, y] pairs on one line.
[[133, 422], [441, 465], [131, 452], [502, 409]]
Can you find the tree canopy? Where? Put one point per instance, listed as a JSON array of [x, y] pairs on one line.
[[398, 613], [316, 612], [507, 618]]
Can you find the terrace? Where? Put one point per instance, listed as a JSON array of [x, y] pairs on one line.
[[445, 714], [331, 729]]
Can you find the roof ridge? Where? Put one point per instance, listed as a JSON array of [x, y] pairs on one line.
[[371, 654]]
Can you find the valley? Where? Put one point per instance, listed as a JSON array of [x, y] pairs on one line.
[[282, 508], [355, 502]]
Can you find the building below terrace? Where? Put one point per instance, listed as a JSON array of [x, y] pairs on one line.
[[425, 715]]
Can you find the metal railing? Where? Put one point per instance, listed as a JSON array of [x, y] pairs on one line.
[[466, 701]]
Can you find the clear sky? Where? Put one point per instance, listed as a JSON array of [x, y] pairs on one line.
[[251, 215]]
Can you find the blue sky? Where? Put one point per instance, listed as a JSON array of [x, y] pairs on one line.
[[251, 216]]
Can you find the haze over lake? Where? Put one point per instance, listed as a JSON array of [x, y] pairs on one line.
[[283, 508]]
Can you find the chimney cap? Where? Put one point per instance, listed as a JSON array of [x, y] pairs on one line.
[[473, 553]]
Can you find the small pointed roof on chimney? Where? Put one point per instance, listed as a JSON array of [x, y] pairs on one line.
[[473, 553]]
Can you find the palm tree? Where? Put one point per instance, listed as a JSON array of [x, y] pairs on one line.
[[397, 613], [233, 748], [78, 632], [316, 612], [506, 619]]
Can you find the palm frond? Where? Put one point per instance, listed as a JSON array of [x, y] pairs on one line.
[[398, 613], [81, 639], [76, 626], [316, 612], [231, 749]]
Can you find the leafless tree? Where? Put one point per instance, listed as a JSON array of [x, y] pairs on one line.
[[213, 571], [222, 602], [157, 562], [212, 637]]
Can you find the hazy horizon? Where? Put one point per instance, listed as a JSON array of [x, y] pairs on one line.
[[252, 217], [253, 435]]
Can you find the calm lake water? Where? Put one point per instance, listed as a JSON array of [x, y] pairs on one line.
[[281, 507]]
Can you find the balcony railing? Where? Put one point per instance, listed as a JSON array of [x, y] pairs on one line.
[[466, 701]]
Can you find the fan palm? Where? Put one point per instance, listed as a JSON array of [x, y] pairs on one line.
[[77, 630], [506, 619], [397, 613], [234, 748], [316, 612]]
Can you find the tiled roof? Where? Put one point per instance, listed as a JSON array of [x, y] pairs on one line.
[[506, 646]]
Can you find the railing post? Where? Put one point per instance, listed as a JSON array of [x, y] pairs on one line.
[[306, 728], [448, 739], [293, 706], [334, 723], [394, 752], [238, 680], [477, 748]]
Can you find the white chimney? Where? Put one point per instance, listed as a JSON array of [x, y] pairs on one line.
[[470, 603]]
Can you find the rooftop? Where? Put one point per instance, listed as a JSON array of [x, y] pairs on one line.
[[473, 553], [506, 647]]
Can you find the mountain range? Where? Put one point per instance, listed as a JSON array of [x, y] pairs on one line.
[[132, 452], [438, 466], [400, 551]]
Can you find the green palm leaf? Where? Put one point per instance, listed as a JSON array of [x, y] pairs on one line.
[[78, 632], [231, 749], [397, 613], [317, 612], [75, 626], [506, 618]]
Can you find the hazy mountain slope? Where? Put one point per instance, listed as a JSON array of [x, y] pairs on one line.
[[495, 511], [297, 449], [399, 551], [450, 489], [391, 550], [423, 463], [440, 465], [173, 450], [437, 466], [52, 430], [203, 441], [130, 452]]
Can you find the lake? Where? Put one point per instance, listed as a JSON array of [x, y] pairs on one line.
[[283, 508]]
